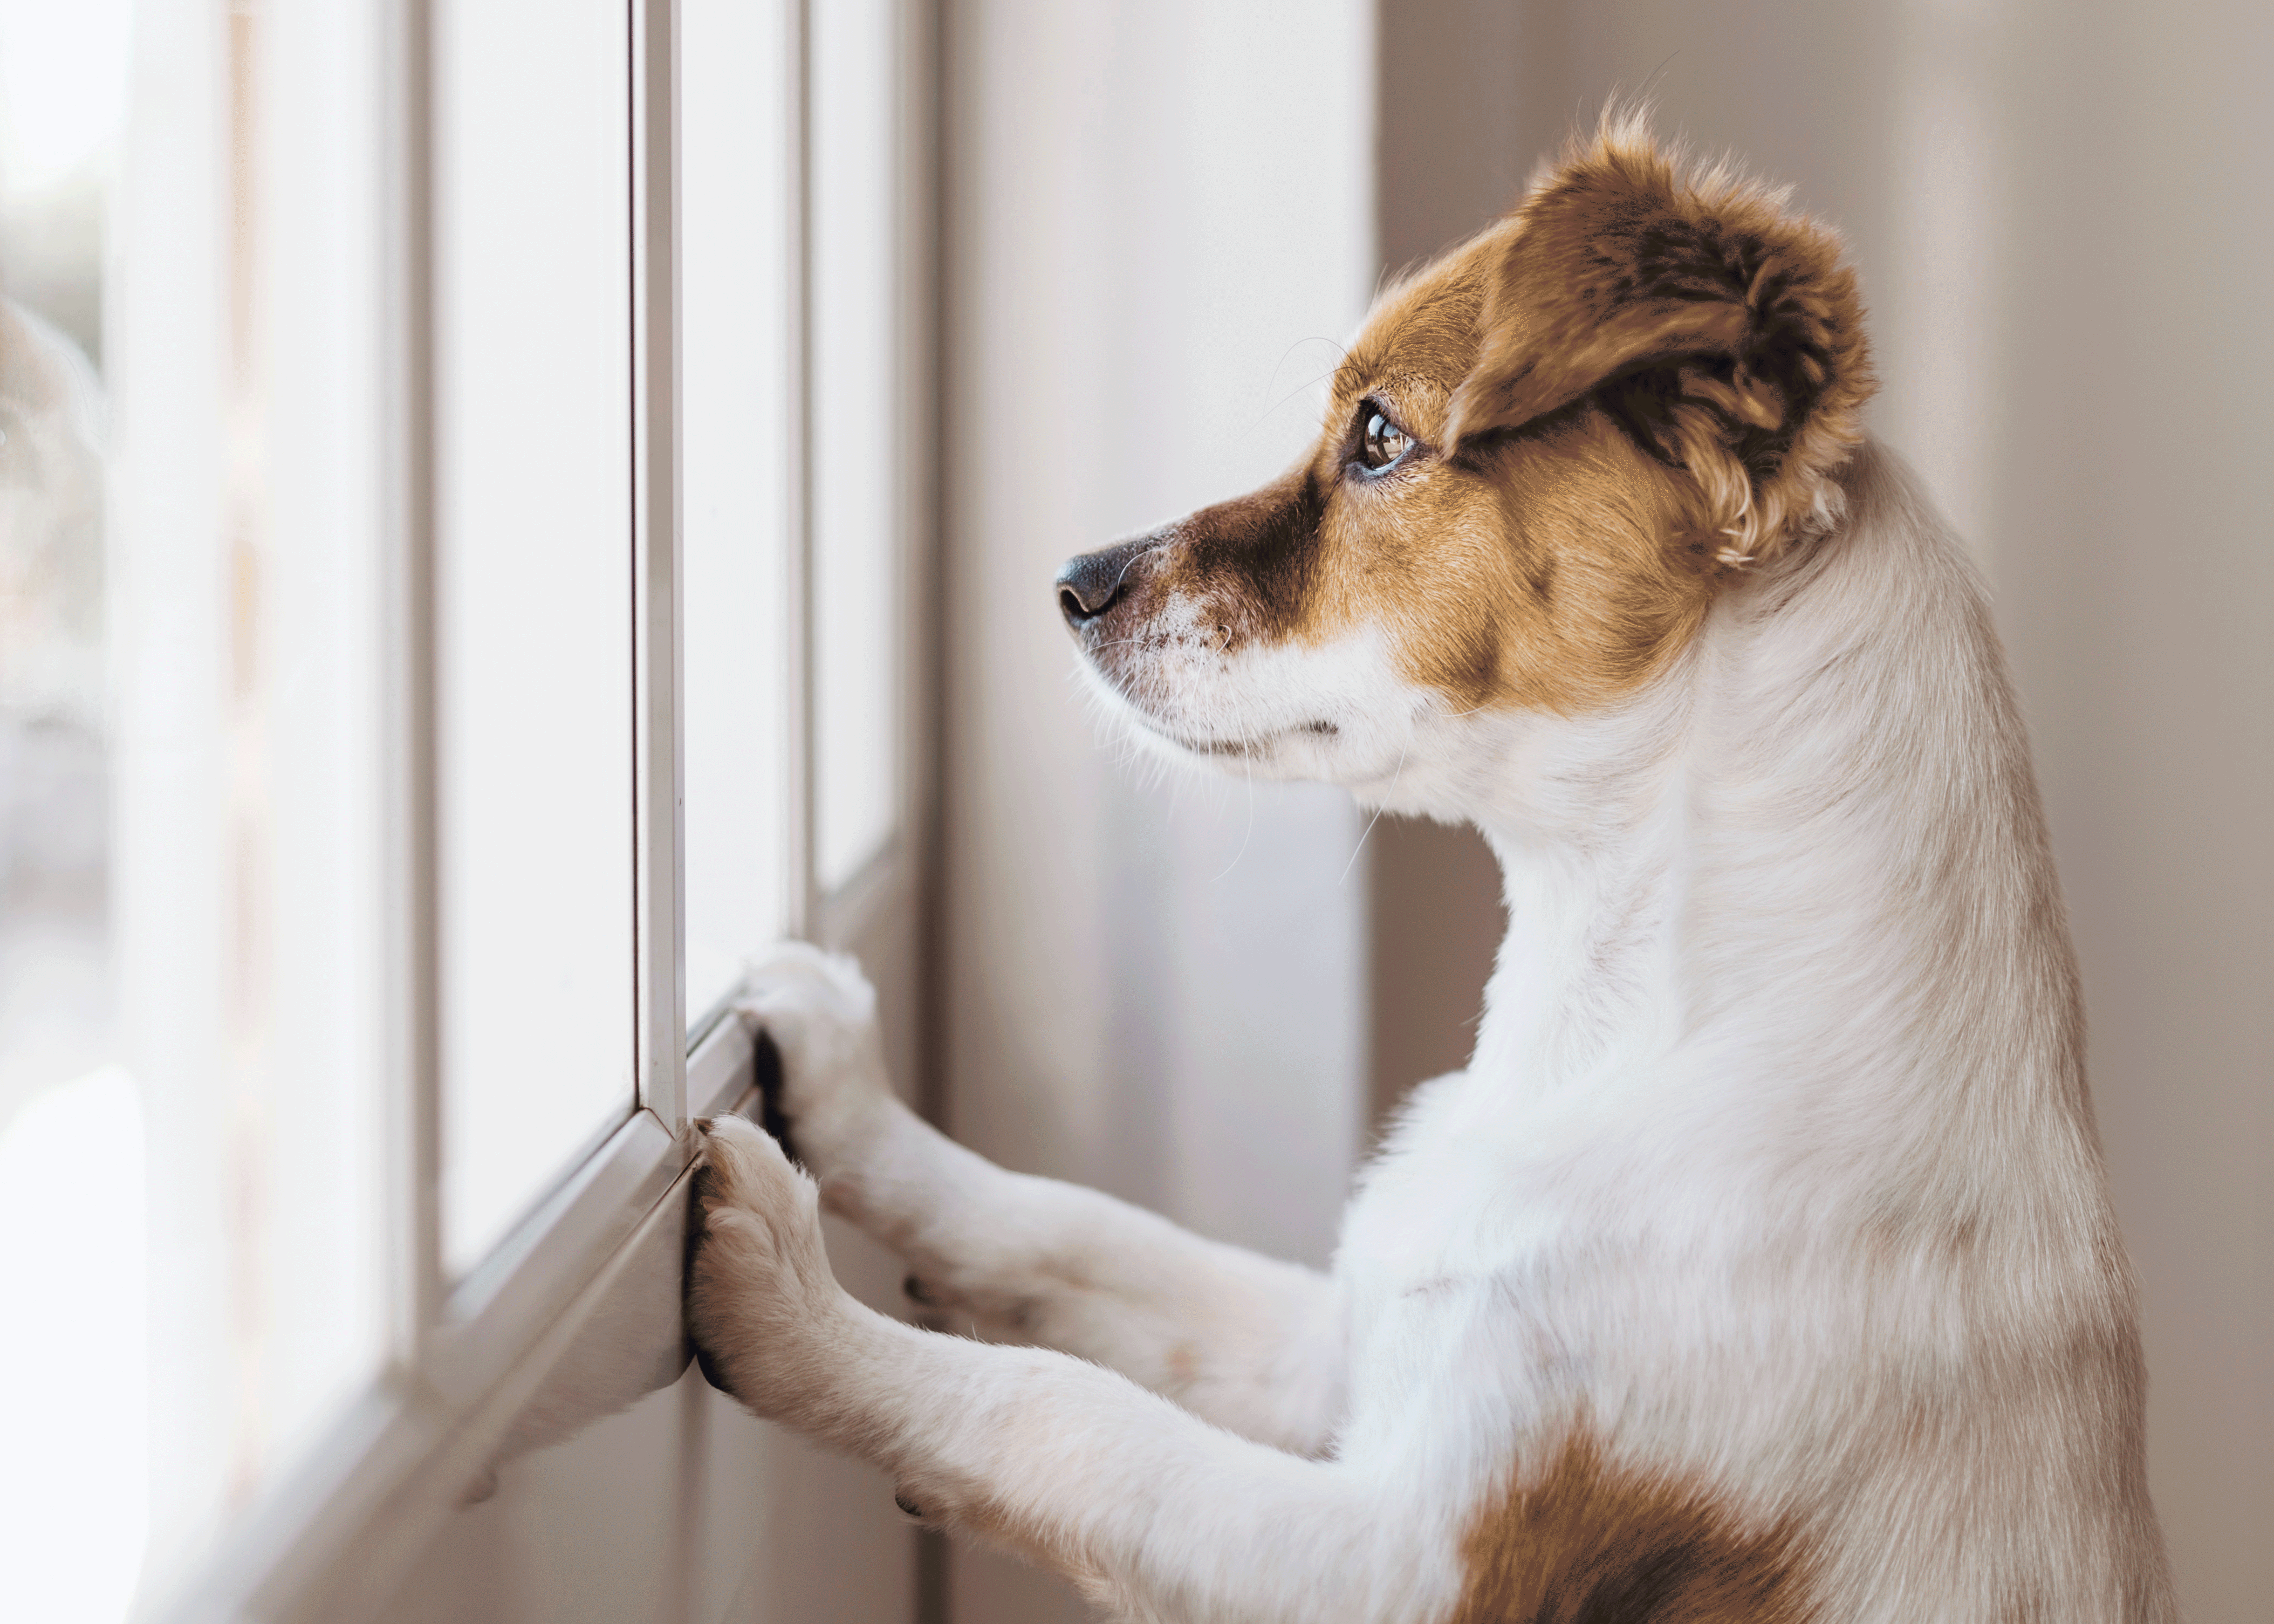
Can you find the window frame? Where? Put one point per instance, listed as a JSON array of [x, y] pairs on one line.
[[330, 1534]]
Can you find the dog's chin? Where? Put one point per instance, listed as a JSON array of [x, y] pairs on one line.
[[1296, 750], [1285, 753]]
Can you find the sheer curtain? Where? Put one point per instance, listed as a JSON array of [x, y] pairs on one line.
[[1159, 229]]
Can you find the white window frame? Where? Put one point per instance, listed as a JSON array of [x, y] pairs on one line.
[[331, 1537]]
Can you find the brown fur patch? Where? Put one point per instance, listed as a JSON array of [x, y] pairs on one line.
[[1587, 1543], [1724, 334]]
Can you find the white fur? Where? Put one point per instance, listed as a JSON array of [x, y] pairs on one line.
[[1773, 1163]]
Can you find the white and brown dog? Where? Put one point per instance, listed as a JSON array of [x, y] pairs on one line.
[[1760, 1266]]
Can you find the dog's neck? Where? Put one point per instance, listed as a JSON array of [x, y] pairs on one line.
[[1811, 851]]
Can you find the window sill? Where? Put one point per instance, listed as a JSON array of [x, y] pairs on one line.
[[574, 1316]]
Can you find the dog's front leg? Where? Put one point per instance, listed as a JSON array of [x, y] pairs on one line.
[[1152, 1510], [1248, 1343]]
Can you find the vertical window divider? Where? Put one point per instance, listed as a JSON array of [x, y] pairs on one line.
[[805, 888], [659, 733], [412, 1018]]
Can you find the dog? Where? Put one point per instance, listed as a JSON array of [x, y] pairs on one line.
[[1760, 1265]]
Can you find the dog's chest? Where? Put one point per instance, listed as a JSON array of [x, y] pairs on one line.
[[1461, 1196]]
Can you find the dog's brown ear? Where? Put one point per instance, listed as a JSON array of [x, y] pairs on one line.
[[1722, 332]]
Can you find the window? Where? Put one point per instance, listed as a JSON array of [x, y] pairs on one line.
[[740, 479], [474, 676], [71, 1355], [856, 589], [532, 598]]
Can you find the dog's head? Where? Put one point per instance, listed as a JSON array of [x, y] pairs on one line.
[[1541, 458]]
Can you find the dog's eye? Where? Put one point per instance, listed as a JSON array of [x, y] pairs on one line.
[[1383, 441]]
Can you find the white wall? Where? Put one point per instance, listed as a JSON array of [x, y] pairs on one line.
[[1157, 218]]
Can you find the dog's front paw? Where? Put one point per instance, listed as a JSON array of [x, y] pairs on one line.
[[762, 1305], [821, 1013]]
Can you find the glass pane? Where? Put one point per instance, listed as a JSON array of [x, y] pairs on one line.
[[189, 758], [533, 578], [74, 1440], [735, 477], [856, 401]]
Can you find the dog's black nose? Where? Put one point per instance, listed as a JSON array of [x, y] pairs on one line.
[[1089, 584]]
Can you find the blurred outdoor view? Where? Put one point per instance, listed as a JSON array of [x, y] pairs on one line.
[[61, 88], [74, 1330]]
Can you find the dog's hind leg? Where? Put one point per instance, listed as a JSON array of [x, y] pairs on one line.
[[1255, 1345]]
